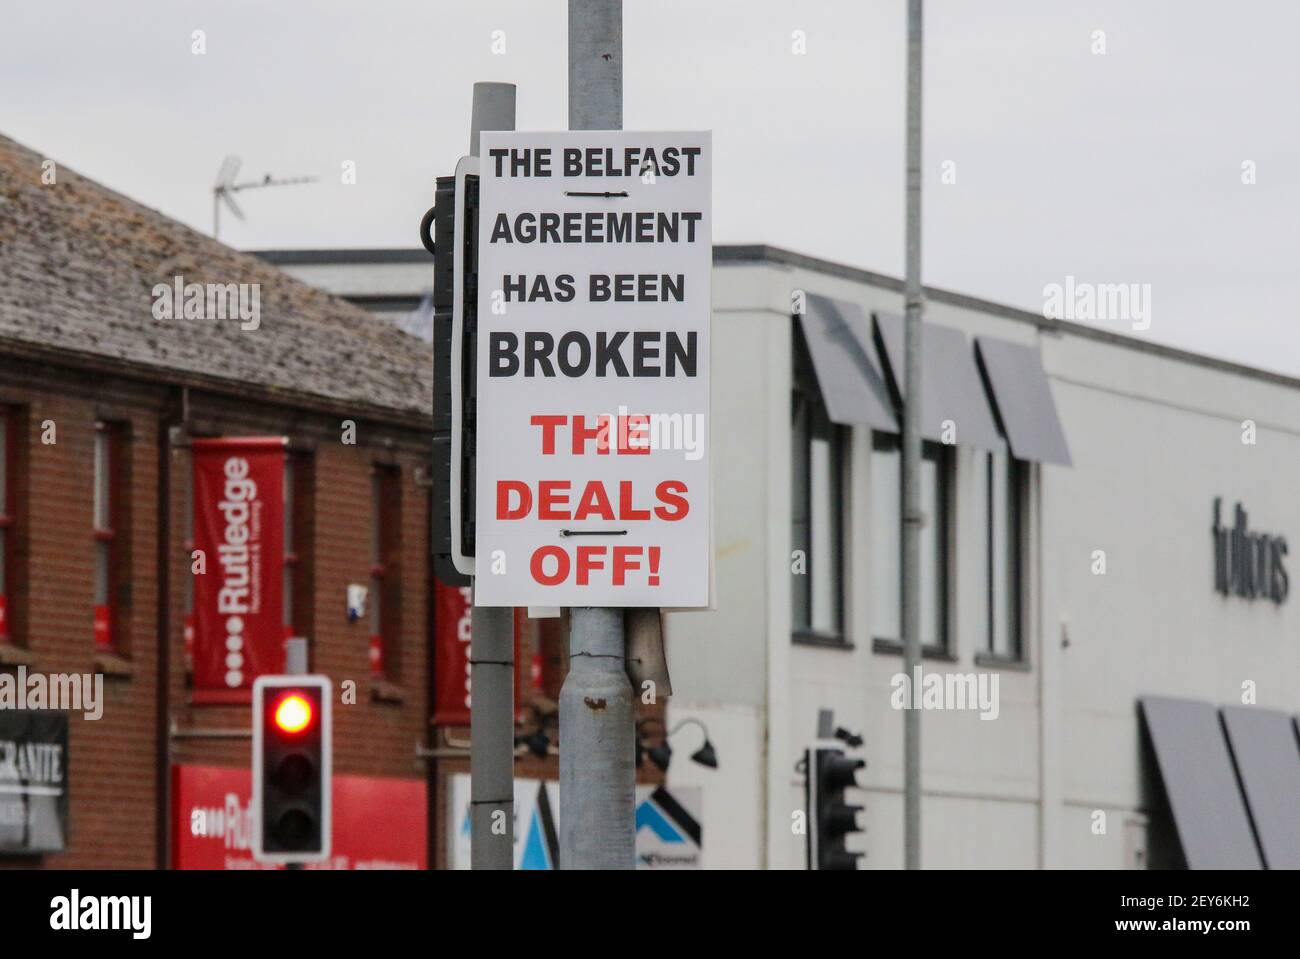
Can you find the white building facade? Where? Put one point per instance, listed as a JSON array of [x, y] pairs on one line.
[[1070, 484], [1113, 585]]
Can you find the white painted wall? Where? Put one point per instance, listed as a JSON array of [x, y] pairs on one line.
[[1154, 439]]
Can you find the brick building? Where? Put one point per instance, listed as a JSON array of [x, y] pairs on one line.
[[99, 400]]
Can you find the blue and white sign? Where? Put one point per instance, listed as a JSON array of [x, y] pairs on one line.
[[668, 830]]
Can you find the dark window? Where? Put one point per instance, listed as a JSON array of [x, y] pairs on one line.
[[297, 545], [385, 599], [1001, 487], [886, 542], [817, 533], [188, 578], [111, 534], [9, 435]]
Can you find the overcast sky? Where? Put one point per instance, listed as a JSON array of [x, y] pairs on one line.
[[1117, 167]]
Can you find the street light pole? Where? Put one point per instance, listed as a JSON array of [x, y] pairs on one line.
[[597, 771], [912, 518]]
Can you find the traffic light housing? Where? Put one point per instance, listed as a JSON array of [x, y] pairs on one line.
[[292, 747], [453, 242], [830, 818]]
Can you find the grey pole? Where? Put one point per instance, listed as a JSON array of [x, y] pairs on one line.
[[494, 109], [595, 64], [492, 738], [295, 656], [492, 639], [597, 769], [912, 515], [295, 664]]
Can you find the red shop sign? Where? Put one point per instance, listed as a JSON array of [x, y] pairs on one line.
[[378, 822]]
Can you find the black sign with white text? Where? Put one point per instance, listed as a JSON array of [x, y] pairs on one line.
[[33, 780]]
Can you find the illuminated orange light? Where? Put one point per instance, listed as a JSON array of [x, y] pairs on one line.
[[293, 714]]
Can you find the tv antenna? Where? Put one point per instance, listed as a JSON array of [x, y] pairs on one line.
[[224, 190]]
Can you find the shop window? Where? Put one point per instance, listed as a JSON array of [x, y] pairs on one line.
[[817, 535], [886, 496], [111, 534], [1000, 484], [385, 600]]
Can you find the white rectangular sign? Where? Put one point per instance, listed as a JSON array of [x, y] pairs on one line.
[[594, 264]]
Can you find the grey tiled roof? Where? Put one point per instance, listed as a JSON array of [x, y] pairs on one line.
[[78, 264]]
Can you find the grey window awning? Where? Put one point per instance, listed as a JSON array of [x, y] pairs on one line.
[[1267, 757], [950, 383], [1200, 782], [838, 335], [1023, 397]]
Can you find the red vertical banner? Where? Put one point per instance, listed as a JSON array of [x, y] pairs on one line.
[[451, 621], [239, 597]]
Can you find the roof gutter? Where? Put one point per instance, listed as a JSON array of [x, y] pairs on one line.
[[313, 402]]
